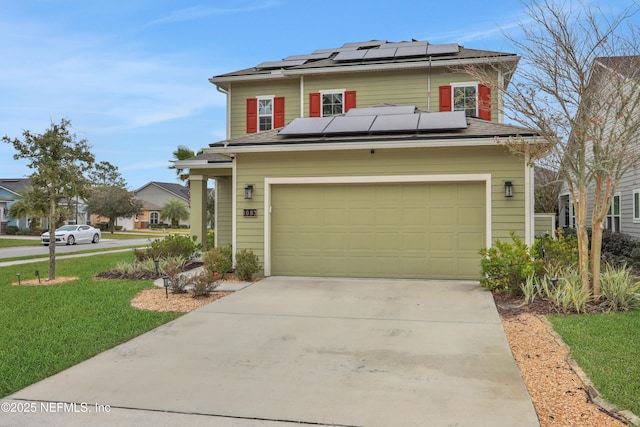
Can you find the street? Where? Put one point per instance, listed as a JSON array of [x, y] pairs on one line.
[[105, 243]]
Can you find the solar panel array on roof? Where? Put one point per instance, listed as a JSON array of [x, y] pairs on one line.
[[379, 122], [350, 55], [370, 43], [380, 53]]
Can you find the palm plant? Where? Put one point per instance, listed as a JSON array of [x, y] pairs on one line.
[[175, 211]]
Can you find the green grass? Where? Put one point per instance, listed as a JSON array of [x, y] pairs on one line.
[[11, 243], [46, 329], [607, 348]]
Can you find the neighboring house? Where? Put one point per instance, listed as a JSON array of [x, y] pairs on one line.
[[10, 190], [624, 213], [154, 195], [375, 159]]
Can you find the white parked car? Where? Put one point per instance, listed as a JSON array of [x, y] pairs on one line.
[[72, 234]]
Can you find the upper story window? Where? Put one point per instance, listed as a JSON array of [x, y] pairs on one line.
[[471, 97], [265, 113], [465, 99], [331, 102]]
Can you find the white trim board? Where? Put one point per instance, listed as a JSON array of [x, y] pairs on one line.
[[381, 179]]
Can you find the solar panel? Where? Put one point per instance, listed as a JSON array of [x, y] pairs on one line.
[[346, 124], [335, 49], [324, 55], [404, 44], [420, 50], [350, 55], [442, 120], [384, 110], [395, 123], [281, 64], [306, 126], [379, 53], [370, 43], [442, 49]]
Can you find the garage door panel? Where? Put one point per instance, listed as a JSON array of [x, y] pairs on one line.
[[411, 230]]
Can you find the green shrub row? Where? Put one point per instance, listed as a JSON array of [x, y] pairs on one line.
[[219, 261], [170, 246]]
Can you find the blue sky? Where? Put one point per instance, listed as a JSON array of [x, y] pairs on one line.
[[132, 75]]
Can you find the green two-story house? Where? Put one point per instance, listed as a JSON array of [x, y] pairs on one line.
[[374, 159]]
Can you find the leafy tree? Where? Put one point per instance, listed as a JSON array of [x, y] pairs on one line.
[[548, 185], [113, 202], [578, 88], [175, 211], [104, 173], [59, 162]]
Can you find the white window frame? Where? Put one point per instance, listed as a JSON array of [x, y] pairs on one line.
[[611, 216], [331, 92], [463, 84], [258, 115], [151, 215], [636, 207]]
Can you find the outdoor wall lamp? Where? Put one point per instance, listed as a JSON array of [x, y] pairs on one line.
[[508, 189], [37, 272], [248, 192]]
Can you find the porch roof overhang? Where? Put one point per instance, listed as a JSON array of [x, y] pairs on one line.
[[218, 164]]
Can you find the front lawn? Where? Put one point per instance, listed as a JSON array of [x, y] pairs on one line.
[[46, 329], [607, 347], [10, 243]]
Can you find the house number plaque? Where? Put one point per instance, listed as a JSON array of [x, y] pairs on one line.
[[248, 213]]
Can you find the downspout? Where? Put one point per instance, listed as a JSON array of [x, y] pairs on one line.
[[429, 86], [301, 96], [228, 118]]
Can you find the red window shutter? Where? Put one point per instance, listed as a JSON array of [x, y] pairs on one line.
[[484, 102], [314, 104], [252, 115], [445, 98], [278, 112], [349, 100]]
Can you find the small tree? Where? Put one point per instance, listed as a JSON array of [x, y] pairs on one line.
[[578, 88], [59, 162], [175, 211], [113, 202]]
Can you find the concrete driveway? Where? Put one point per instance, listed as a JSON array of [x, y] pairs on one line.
[[292, 351]]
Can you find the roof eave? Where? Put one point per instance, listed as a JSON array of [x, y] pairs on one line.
[[295, 72]]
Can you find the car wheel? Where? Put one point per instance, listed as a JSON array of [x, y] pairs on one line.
[[96, 238], [45, 244], [71, 240]]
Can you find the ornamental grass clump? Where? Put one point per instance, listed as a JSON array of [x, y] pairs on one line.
[[620, 290]]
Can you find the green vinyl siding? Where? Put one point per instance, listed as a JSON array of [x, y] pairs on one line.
[[223, 210], [287, 88], [400, 87], [507, 214]]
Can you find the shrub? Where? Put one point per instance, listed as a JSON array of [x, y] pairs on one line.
[[211, 239], [557, 252], [177, 282], [506, 266], [247, 264], [204, 283], [171, 246], [146, 267], [12, 230], [219, 260], [619, 244], [619, 289]]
